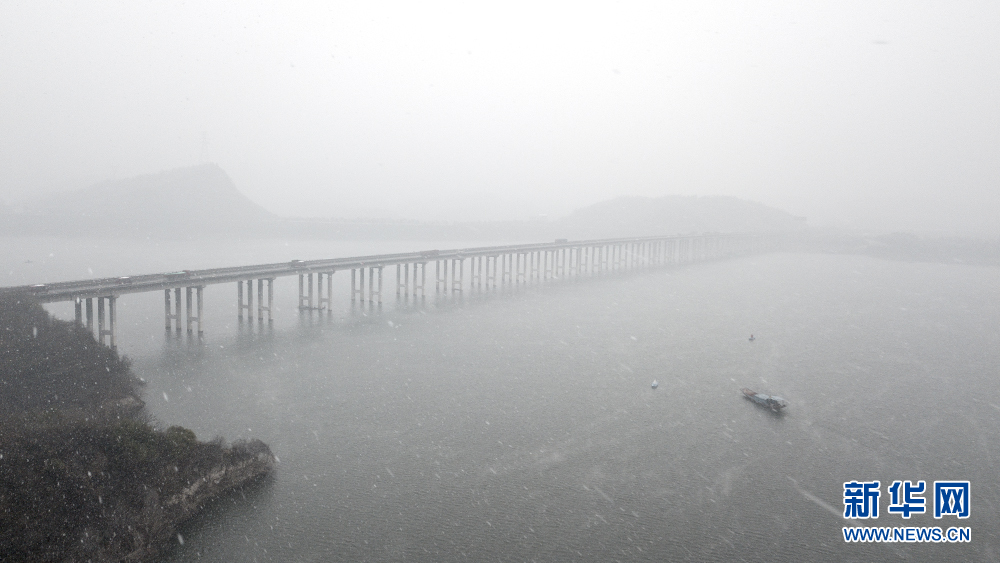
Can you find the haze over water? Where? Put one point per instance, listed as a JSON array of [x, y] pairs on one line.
[[521, 425]]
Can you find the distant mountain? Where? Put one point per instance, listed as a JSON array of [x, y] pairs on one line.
[[198, 199], [204, 200], [648, 216]]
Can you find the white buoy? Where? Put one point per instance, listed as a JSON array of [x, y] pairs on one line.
[[655, 384]]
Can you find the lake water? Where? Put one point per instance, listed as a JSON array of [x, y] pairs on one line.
[[521, 425]]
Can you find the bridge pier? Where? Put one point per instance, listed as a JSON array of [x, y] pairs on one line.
[[423, 278], [441, 275], [476, 272], [358, 289], [176, 315], [239, 296], [306, 292], [248, 304], [372, 292], [457, 274], [261, 308], [322, 302], [190, 317], [107, 329]]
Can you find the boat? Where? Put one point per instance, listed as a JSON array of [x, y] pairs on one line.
[[655, 384], [772, 402]]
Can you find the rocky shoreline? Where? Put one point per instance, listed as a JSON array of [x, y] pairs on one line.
[[161, 518]]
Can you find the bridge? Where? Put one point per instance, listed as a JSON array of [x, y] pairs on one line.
[[488, 267]]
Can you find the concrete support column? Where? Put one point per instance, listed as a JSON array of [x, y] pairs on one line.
[[112, 320], [457, 274], [193, 317], [100, 320], [106, 328], [90, 314], [361, 284], [260, 301], [327, 300], [177, 307], [166, 306], [423, 279], [199, 291], [309, 278], [78, 311], [188, 304], [239, 299], [270, 299]]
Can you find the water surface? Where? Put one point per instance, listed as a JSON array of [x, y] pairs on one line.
[[521, 425]]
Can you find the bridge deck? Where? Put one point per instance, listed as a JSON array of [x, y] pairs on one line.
[[81, 289]]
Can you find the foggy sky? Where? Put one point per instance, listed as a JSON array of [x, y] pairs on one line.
[[874, 114]]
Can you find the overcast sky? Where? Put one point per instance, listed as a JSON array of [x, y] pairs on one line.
[[868, 113]]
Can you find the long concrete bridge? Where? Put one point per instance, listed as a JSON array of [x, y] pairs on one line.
[[488, 267]]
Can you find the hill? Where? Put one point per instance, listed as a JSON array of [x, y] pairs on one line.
[[83, 476], [204, 200], [201, 199], [647, 216]]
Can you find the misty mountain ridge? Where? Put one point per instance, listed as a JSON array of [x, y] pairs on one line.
[[196, 199], [204, 200]]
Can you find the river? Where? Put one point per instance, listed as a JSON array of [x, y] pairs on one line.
[[521, 425]]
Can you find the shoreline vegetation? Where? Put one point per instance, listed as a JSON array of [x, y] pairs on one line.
[[84, 474]]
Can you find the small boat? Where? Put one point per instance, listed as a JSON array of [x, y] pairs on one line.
[[655, 384], [752, 338], [772, 402]]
